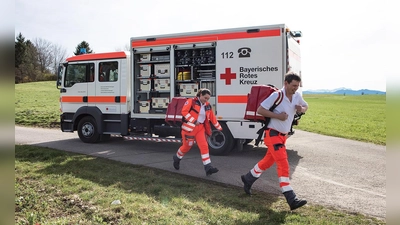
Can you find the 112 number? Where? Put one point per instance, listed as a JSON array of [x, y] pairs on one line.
[[227, 55]]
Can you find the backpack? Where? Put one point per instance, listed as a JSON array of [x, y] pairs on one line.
[[258, 94], [174, 116]]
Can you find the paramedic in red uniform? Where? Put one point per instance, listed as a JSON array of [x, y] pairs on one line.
[[197, 114], [275, 138]]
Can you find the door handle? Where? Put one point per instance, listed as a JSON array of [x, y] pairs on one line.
[[63, 90]]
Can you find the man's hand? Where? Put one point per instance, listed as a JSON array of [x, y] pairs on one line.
[[282, 116], [299, 108]]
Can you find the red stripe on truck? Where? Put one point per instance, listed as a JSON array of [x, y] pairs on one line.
[[94, 56], [92, 99], [206, 38], [232, 99]]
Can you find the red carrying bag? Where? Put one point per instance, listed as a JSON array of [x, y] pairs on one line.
[[258, 93], [174, 111]]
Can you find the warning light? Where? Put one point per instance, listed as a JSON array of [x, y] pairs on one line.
[[82, 50], [296, 33]]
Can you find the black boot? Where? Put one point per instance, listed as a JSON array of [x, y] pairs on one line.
[[176, 162], [293, 201], [210, 170], [248, 180]]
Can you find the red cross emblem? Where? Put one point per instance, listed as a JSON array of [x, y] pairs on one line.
[[228, 76]]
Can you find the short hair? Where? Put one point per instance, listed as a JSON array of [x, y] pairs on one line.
[[290, 76], [203, 91]]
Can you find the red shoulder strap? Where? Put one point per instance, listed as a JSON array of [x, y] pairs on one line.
[[278, 100]]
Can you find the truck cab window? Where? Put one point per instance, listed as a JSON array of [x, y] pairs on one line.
[[108, 71], [79, 73]]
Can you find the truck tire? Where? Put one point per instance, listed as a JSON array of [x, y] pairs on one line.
[[221, 142], [87, 130]]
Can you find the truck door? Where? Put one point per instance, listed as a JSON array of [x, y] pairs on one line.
[[244, 62], [108, 89], [75, 87]]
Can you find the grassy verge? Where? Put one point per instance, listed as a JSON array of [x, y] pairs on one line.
[[56, 187], [361, 118], [37, 104]]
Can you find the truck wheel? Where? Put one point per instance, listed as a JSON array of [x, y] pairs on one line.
[[221, 142], [87, 130]]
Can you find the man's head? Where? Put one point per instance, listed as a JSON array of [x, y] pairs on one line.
[[292, 83], [204, 95]]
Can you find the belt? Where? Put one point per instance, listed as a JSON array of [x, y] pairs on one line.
[[273, 133]]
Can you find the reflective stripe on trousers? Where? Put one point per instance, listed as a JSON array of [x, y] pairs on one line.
[[198, 135], [276, 153]]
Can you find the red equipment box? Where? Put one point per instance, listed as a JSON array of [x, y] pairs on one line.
[[258, 93]]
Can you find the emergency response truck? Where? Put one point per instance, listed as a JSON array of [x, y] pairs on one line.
[[127, 93]]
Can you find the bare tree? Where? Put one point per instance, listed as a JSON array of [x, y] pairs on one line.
[[59, 55], [37, 60], [44, 53], [126, 47]]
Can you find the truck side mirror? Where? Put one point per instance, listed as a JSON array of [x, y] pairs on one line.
[[59, 76]]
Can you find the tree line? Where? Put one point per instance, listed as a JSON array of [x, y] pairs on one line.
[[38, 60]]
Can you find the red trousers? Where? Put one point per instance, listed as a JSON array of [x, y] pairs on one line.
[[276, 153], [188, 139]]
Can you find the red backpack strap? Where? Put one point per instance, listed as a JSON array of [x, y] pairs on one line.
[[277, 101]]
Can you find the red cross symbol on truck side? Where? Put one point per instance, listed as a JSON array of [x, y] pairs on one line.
[[228, 76]]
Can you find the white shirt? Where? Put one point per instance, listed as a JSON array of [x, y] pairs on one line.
[[202, 113], [284, 106]]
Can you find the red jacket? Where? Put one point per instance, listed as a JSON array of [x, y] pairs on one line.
[[190, 113]]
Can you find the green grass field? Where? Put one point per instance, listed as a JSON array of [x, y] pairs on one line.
[[37, 104], [360, 118]]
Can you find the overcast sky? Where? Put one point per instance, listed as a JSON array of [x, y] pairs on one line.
[[345, 43]]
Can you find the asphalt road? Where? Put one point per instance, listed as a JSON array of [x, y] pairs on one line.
[[328, 171]]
